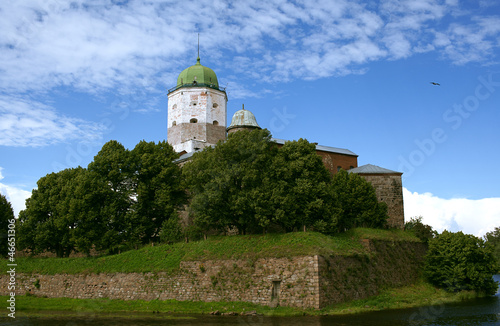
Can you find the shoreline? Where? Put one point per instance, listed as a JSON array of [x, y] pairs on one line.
[[416, 295]]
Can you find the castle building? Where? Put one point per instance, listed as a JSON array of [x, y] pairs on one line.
[[197, 110]]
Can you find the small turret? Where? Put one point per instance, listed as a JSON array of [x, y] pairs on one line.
[[243, 120]]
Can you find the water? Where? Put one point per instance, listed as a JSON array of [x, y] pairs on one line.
[[483, 312]]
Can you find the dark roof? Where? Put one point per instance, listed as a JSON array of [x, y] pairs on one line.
[[372, 169], [321, 148], [187, 156]]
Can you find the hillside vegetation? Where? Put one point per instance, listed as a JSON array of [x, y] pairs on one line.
[[168, 257]]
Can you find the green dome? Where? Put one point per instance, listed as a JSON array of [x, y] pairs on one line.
[[197, 75], [243, 119]]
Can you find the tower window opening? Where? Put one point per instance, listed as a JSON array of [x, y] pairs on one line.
[[174, 123], [193, 120], [215, 105], [216, 123]]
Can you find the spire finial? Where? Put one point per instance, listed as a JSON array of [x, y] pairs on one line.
[[198, 47], [243, 106]]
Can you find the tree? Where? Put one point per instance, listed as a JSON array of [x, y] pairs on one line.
[[171, 230], [493, 239], [158, 188], [113, 165], [422, 231], [64, 213], [225, 182], [357, 200], [457, 261], [298, 183], [44, 224], [6, 215], [122, 199]]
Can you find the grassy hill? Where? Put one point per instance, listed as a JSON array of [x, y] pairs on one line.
[[168, 257]]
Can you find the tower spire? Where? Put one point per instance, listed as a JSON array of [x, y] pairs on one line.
[[198, 59]]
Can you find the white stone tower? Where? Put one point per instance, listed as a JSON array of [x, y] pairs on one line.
[[197, 109]]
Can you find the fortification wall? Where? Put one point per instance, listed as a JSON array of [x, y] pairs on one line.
[[389, 264], [389, 189], [293, 281], [305, 282]]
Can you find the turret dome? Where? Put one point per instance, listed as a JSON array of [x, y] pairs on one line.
[[197, 75], [243, 119]]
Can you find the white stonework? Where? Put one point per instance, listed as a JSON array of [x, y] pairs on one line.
[[196, 116]]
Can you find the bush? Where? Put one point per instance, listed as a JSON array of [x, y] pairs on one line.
[[422, 231], [171, 230], [457, 261], [493, 239]]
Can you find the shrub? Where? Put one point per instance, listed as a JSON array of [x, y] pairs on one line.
[[457, 261], [422, 231]]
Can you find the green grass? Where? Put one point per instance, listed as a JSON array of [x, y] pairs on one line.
[[420, 294], [26, 304], [378, 234], [168, 257], [416, 295]]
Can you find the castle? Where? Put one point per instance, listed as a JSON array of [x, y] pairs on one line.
[[197, 118]]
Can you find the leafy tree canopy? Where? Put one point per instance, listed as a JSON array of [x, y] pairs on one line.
[[122, 199], [357, 200], [250, 184], [226, 182], [422, 231], [6, 215], [63, 213], [457, 261], [493, 239]]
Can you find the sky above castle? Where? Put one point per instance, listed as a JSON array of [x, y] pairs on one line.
[[348, 74]]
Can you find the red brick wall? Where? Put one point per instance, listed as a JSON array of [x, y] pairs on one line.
[[334, 160]]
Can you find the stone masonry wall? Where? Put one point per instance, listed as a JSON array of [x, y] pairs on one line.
[[390, 264], [295, 281], [389, 189], [305, 282]]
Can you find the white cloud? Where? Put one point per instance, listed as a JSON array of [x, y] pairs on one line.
[[457, 214], [134, 49], [476, 41], [103, 46], [15, 195], [29, 123]]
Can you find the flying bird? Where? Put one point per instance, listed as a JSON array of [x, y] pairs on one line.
[[436, 84]]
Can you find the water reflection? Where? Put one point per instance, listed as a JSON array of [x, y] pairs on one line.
[[484, 312]]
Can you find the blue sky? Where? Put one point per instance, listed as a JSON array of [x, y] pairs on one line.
[[347, 74]]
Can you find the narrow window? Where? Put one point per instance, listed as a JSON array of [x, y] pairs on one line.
[[193, 120], [338, 168], [216, 123], [174, 107], [215, 105], [174, 123], [275, 294]]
